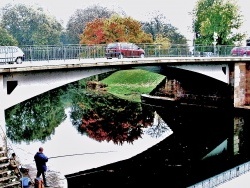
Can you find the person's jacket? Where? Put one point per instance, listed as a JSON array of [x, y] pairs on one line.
[[41, 160]]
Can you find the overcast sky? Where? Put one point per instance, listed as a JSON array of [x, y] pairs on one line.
[[176, 11]]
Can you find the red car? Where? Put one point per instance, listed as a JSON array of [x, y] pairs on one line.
[[241, 51], [123, 49]]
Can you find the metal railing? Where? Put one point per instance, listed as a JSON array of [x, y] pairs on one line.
[[223, 177], [64, 52]]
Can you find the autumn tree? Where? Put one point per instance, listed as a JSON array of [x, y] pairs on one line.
[[115, 28], [212, 17], [94, 32], [30, 26], [79, 20]]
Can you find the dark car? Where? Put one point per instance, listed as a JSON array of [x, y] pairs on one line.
[[241, 51], [123, 49]]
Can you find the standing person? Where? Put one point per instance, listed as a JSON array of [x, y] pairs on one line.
[[41, 167]]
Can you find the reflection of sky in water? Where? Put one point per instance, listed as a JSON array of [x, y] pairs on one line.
[[67, 141]]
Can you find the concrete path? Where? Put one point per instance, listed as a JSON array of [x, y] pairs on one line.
[[54, 179], [242, 181]]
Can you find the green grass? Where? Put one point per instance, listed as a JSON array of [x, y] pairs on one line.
[[130, 84]]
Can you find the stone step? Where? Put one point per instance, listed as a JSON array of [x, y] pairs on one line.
[[4, 159], [5, 172], [4, 165], [14, 184], [7, 178]]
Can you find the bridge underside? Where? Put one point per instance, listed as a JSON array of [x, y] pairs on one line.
[[19, 87], [216, 71]]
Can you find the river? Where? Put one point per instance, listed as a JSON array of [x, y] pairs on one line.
[[84, 133]]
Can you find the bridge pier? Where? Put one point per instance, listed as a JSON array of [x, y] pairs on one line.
[[241, 84], [3, 138]]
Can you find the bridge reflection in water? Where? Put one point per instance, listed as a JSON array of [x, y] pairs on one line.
[[116, 143], [201, 146]]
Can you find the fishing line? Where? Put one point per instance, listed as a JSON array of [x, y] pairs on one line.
[[84, 174], [79, 154]]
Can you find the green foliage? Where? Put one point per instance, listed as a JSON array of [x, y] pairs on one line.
[[130, 84], [30, 26], [104, 117], [35, 119], [158, 26], [7, 39], [222, 17]]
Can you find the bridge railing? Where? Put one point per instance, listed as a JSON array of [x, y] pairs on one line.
[[46, 53], [223, 177], [63, 52]]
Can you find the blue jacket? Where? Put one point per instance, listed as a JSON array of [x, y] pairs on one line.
[[41, 160]]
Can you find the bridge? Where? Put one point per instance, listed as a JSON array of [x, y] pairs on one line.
[[23, 81], [19, 82]]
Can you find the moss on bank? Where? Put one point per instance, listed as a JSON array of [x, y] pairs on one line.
[[130, 84]]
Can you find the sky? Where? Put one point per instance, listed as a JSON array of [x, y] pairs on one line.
[[177, 12]]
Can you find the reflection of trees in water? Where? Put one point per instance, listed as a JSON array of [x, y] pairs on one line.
[[104, 117], [36, 118], [159, 127]]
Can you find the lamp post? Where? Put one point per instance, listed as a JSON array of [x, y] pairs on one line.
[[215, 42]]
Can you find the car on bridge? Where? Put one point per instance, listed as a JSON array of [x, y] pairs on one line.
[[123, 50], [241, 51], [11, 54]]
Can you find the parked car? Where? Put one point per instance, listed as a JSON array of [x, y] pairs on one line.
[[241, 51], [11, 54], [123, 49], [207, 54]]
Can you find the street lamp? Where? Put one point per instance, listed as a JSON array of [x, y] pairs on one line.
[[215, 42]]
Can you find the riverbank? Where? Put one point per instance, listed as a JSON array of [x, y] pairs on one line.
[[55, 179]]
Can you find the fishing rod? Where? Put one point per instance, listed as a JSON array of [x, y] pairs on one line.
[[78, 154], [85, 174]]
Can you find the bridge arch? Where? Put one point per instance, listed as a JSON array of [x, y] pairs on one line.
[[21, 86]]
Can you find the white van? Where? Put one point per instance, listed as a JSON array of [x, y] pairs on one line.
[[11, 54]]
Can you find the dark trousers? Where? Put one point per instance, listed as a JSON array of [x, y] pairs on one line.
[[43, 173]]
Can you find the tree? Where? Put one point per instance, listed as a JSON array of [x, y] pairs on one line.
[[115, 28], [94, 114], [30, 26], [79, 20], [211, 17], [157, 26], [94, 32], [7, 39], [35, 119]]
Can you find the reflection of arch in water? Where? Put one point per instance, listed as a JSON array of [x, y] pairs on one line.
[[200, 129]]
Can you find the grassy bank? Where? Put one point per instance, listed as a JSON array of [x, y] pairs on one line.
[[130, 84]]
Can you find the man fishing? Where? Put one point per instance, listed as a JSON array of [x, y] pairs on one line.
[[41, 161]]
